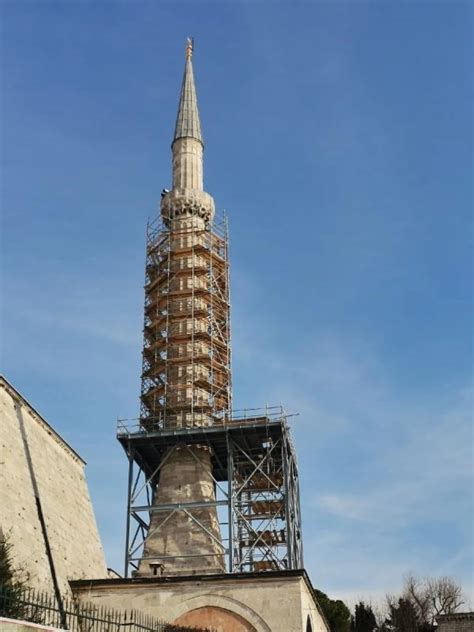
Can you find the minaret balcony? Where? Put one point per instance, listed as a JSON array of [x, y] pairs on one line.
[[183, 203]]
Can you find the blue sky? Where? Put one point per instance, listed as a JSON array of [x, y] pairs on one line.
[[339, 141]]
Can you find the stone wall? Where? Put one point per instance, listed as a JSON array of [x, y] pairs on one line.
[[458, 622], [41, 474], [253, 602]]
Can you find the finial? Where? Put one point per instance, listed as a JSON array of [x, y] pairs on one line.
[[189, 47]]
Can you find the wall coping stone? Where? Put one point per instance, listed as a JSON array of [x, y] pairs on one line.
[[456, 616]]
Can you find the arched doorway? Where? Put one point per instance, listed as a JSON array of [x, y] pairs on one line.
[[219, 619], [309, 627]]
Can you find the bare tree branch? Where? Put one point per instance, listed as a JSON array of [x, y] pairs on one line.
[[432, 596]]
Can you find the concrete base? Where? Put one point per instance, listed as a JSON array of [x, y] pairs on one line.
[[282, 601]]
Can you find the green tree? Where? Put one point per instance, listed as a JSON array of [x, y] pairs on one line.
[[11, 583], [363, 619], [336, 612], [402, 617]]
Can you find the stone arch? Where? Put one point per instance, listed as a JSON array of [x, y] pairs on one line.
[[233, 606], [309, 626], [218, 619]]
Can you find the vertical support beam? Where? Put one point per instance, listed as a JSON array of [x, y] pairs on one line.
[[288, 519], [248, 501], [299, 526], [230, 498], [228, 313], [129, 508], [238, 520]]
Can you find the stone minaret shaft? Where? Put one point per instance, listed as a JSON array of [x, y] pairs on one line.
[[186, 379]]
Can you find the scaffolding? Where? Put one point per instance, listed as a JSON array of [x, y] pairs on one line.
[[255, 474], [186, 377], [248, 518]]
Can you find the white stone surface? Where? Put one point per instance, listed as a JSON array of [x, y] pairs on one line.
[[63, 493]]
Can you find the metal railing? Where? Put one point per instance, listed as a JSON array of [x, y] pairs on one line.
[[266, 415], [43, 608]]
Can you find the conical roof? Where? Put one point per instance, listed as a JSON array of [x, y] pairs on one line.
[[187, 121]]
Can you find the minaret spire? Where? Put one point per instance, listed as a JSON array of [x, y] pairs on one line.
[[187, 197], [188, 124]]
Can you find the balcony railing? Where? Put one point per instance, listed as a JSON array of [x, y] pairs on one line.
[[266, 415]]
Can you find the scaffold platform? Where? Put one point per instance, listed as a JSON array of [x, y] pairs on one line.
[[255, 474]]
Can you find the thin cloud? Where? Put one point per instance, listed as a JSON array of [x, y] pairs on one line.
[[381, 469]]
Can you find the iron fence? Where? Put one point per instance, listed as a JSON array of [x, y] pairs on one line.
[[27, 604]]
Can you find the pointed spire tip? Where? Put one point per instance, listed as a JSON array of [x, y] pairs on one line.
[[187, 122]]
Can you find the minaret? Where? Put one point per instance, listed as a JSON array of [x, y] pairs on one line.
[[186, 356], [190, 454]]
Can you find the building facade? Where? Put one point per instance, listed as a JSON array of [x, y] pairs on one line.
[[247, 602]]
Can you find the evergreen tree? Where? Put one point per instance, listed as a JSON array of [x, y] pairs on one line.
[[403, 617], [336, 612], [11, 584], [363, 619]]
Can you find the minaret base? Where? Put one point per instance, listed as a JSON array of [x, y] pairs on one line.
[[184, 540]]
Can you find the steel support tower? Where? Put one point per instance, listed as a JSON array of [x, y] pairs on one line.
[[255, 474]]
